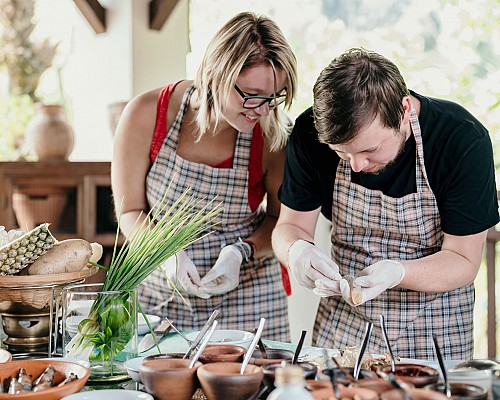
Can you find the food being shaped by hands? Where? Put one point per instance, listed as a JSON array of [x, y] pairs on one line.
[[356, 293]]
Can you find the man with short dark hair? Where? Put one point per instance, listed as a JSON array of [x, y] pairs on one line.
[[408, 183]]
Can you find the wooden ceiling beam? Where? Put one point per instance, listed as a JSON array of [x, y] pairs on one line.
[[159, 11], [94, 13]]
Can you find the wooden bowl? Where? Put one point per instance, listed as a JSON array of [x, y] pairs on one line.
[[222, 381], [415, 394], [35, 368], [323, 390], [415, 374], [269, 370], [222, 353], [274, 356], [169, 379]]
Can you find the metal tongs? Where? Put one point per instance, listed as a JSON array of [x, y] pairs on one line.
[[202, 333], [364, 345]]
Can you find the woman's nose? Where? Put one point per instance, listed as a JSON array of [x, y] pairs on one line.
[[263, 109]]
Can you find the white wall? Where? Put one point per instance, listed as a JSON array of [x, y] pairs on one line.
[[126, 60]]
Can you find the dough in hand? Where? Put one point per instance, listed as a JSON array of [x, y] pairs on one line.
[[356, 294]]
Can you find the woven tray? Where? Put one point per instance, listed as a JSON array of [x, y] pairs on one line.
[[36, 290]]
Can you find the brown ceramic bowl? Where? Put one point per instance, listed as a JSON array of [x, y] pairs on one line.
[[222, 381], [222, 353], [269, 370], [378, 385], [169, 379], [462, 391], [323, 390], [164, 356], [415, 374], [415, 394], [343, 379], [35, 368], [274, 356]]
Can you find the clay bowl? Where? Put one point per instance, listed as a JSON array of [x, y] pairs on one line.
[[415, 374], [222, 353], [343, 379], [274, 356], [462, 391], [169, 379], [222, 380], [415, 394], [269, 370], [164, 356], [35, 368], [323, 390], [378, 385]]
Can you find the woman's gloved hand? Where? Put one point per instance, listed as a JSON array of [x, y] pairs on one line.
[[307, 264], [374, 280], [182, 275], [225, 274]]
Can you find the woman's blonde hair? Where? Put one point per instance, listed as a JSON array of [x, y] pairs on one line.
[[245, 41]]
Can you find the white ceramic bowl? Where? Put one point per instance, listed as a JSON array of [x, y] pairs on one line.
[[110, 394], [227, 336], [132, 366], [142, 326], [5, 356]]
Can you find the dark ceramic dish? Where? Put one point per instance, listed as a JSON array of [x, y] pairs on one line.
[[462, 391], [273, 356], [415, 374]]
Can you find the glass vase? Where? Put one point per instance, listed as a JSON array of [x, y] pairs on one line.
[[100, 327]]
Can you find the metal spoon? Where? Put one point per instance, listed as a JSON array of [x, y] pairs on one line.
[[439, 356], [203, 345], [386, 339], [299, 347], [328, 361], [189, 342], [202, 333], [256, 338], [364, 345]]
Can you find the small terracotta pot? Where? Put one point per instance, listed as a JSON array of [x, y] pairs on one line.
[[222, 353], [378, 385], [415, 394], [169, 379], [269, 370], [222, 381], [323, 390], [462, 391], [415, 374], [274, 356], [343, 379]]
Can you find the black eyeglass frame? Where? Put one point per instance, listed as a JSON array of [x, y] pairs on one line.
[[278, 99]]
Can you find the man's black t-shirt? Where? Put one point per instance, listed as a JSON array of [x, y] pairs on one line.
[[458, 160]]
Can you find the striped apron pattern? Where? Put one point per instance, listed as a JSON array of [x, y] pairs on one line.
[[260, 291], [368, 226]]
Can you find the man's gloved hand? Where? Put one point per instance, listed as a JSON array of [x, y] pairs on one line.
[[183, 275], [307, 264], [225, 274], [374, 280]]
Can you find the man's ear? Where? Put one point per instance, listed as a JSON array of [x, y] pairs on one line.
[[407, 110]]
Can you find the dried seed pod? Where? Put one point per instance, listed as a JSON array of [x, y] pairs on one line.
[[15, 387], [24, 379], [72, 377], [47, 376], [42, 386], [356, 293]]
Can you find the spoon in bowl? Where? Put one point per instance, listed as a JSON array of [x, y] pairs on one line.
[[364, 345], [439, 356], [251, 349], [203, 345], [299, 347], [386, 339]]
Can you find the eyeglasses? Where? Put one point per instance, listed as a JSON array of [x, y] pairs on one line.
[[250, 102]]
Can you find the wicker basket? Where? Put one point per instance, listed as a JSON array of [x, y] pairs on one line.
[[36, 290]]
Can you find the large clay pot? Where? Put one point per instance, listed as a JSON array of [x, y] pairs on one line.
[[49, 135]]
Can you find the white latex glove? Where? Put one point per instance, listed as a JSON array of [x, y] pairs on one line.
[[183, 275], [225, 274], [327, 288], [307, 264], [374, 280]]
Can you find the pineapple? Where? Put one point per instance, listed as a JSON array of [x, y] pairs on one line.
[[18, 249]]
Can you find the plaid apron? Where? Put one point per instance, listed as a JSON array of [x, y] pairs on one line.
[[260, 291], [368, 226]]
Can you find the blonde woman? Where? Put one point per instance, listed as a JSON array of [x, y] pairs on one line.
[[222, 135]]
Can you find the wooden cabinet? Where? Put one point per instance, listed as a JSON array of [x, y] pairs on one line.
[[75, 197]]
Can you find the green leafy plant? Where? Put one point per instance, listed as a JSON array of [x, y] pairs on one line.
[[111, 322]]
